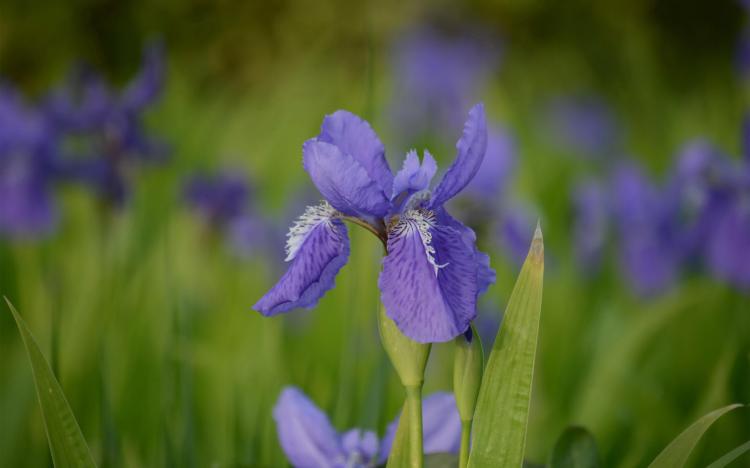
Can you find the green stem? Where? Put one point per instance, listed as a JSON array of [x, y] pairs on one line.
[[463, 459], [414, 398]]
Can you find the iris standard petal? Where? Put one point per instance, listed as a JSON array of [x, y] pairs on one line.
[[317, 246], [414, 176], [470, 153], [305, 433], [354, 136], [343, 181], [429, 279]]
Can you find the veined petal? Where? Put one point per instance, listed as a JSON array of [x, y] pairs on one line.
[[429, 279], [485, 274], [414, 176], [441, 425], [317, 246], [470, 153], [305, 433], [354, 136], [343, 181]]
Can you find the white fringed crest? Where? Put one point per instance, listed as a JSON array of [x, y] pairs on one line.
[[422, 221], [303, 226]]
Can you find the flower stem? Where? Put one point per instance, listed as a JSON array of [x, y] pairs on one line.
[[414, 399], [463, 457]]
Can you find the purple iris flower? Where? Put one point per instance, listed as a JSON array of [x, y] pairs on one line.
[[28, 168], [585, 125], [106, 135], [649, 241], [590, 222], [437, 75], [432, 272], [309, 440], [515, 231]]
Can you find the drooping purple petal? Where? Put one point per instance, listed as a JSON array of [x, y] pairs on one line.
[[26, 203], [305, 433], [354, 136], [470, 154], [441, 424], [343, 181], [429, 279], [318, 247], [485, 274]]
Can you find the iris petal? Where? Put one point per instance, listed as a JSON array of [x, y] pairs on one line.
[[354, 136], [343, 181], [305, 433], [429, 279], [414, 176], [318, 247], [470, 153]]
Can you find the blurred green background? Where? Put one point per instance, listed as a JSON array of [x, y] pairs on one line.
[[161, 357]]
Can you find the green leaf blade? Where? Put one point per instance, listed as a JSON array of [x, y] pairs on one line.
[[576, 448], [501, 416], [731, 456], [677, 452], [66, 442]]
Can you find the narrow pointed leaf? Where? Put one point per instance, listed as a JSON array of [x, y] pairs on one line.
[[441, 460], [501, 416], [731, 456], [66, 441], [678, 451], [576, 448]]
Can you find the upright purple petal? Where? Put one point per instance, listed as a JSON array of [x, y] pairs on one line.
[[354, 137], [441, 424], [343, 181], [470, 154], [147, 85], [429, 279], [318, 246], [413, 176], [305, 433]]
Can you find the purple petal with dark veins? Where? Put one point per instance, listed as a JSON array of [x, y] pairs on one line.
[[313, 270]]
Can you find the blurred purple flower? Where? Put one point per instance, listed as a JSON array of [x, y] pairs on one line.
[[309, 440], [437, 77], [728, 247], [649, 244], [590, 224], [218, 199], [28, 168], [585, 125], [432, 273], [106, 135]]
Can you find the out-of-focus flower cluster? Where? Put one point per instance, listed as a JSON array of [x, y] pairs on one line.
[[697, 219], [83, 132]]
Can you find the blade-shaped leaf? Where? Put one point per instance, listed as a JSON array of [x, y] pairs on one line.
[[576, 448], [678, 451], [441, 460], [502, 411], [730, 456], [66, 441]]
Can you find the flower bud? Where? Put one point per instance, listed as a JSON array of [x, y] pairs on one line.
[[408, 357], [467, 372]]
